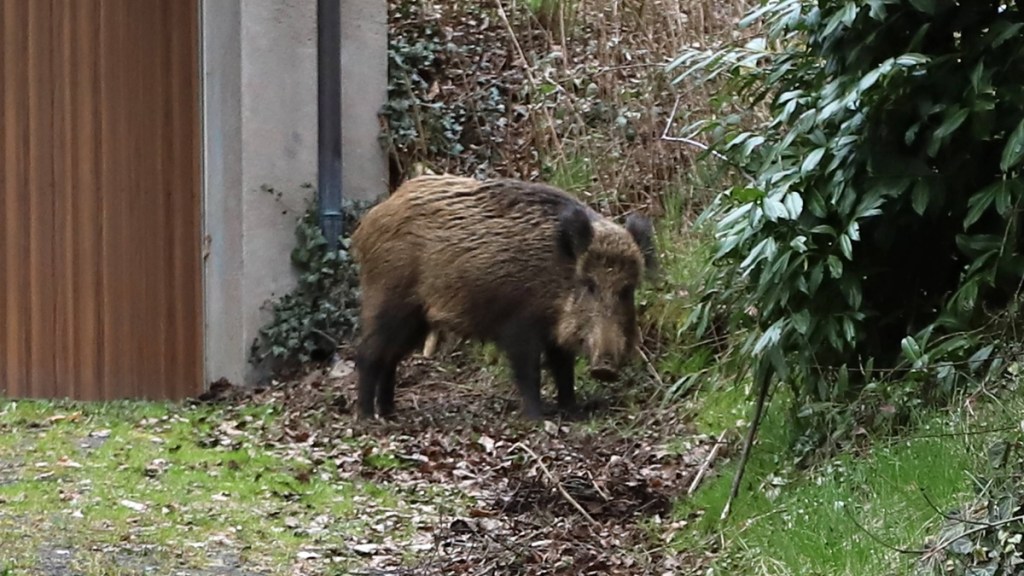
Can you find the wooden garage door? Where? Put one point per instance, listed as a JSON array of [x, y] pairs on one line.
[[100, 280]]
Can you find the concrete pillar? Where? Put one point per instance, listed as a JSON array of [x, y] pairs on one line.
[[260, 130], [222, 184], [364, 91], [279, 138]]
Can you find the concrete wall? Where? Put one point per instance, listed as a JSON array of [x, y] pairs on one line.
[[260, 95], [279, 138], [364, 89]]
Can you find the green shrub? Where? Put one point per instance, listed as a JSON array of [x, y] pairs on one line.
[[882, 225]]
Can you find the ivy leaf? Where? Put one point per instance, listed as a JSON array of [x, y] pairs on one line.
[[794, 205], [773, 209], [911, 59], [1002, 31], [961, 546]]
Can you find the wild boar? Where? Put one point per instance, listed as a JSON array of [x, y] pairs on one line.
[[523, 265]]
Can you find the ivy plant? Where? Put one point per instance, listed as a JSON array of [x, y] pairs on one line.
[[322, 311]]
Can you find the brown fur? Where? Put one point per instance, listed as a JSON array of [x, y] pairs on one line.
[[483, 259]]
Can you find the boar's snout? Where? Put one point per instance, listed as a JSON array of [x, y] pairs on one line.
[[604, 372], [608, 348]]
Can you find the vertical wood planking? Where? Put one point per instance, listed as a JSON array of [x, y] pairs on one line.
[[185, 199], [15, 241], [42, 296], [162, 338], [100, 278], [87, 202], [4, 276], [63, 202], [5, 236], [5, 167]]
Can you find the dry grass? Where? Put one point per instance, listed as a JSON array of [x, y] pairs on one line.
[[585, 97]]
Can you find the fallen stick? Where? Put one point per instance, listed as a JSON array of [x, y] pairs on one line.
[[703, 470], [568, 497], [763, 380], [650, 367]]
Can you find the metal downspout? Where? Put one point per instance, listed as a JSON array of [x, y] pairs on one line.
[[328, 23]]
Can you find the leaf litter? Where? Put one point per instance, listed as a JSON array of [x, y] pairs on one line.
[[483, 491]]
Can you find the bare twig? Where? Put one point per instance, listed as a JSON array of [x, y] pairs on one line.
[[529, 76], [876, 538], [764, 383], [703, 470], [692, 142], [568, 497], [948, 516], [325, 336], [941, 545], [599, 490], [650, 367]]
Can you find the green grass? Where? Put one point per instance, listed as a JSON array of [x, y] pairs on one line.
[[184, 484], [789, 523]]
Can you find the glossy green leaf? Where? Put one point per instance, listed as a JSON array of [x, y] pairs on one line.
[[919, 197], [1014, 149], [910, 348], [846, 246], [926, 6], [773, 209], [978, 203], [954, 119], [812, 160]]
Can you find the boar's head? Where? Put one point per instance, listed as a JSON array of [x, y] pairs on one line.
[[598, 316]]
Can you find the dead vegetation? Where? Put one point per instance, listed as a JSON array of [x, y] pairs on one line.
[[499, 495], [568, 91]]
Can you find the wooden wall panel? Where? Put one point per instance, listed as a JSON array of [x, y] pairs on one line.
[[100, 272]]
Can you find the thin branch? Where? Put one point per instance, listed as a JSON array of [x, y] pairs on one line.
[[947, 516], [941, 545], [972, 532], [692, 142], [876, 538], [706, 465], [762, 395], [529, 75], [326, 336], [568, 497], [650, 367]]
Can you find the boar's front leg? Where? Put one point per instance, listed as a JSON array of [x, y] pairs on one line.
[[561, 365], [524, 351]]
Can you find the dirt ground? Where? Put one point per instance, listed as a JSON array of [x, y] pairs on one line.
[[590, 495], [456, 484]]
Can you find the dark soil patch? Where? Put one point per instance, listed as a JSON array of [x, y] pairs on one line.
[[583, 497]]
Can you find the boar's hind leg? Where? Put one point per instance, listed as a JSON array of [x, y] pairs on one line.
[[395, 332], [561, 364]]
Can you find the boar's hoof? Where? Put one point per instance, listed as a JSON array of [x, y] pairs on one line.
[[604, 373]]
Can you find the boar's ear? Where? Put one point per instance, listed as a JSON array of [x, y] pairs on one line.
[[640, 228], [574, 231]]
